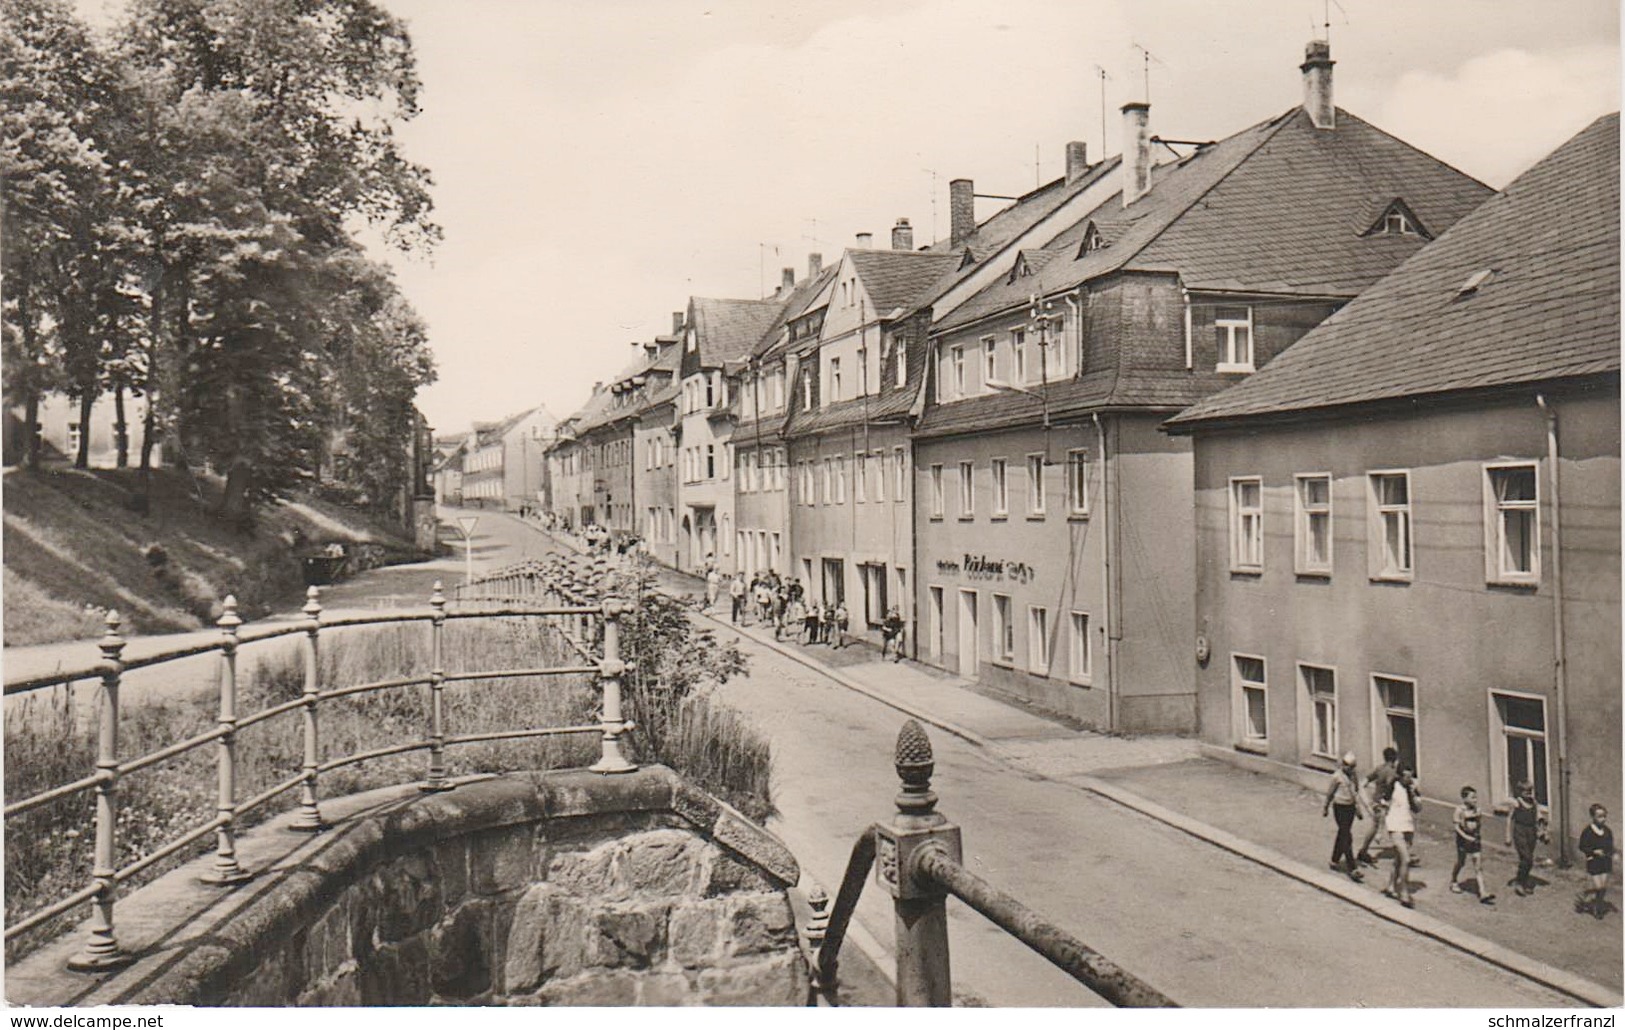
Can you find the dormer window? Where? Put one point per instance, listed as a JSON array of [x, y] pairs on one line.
[[1233, 328], [1397, 219], [1396, 224], [1020, 270], [691, 340], [1092, 240], [966, 259]]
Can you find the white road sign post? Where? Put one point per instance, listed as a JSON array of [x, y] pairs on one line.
[[466, 523]]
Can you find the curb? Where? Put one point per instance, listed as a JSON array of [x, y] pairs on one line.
[[1550, 976]]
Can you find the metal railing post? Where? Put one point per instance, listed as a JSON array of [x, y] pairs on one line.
[[610, 672], [101, 950], [309, 819], [437, 684], [923, 977], [227, 871]]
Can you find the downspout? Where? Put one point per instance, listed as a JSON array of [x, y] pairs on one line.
[[1106, 526], [1559, 645], [1185, 295]]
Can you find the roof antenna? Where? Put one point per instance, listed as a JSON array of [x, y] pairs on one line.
[[933, 172], [1326, 9], [1146, 58], [1038, 176], [1103, 78]]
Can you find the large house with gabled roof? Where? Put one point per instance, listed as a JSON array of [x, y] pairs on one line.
[[1408, 525], [1053, 529]]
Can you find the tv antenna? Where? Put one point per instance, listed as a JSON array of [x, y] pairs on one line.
[[1326, 14], [1146, 57], [1103, 78], [933, 173]]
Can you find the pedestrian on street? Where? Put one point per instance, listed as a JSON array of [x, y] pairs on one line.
[[815, 623], [1343, 798], [1379, 785], [838, 623], [764, 601], [891, 634], [1469, 822], [1523, 832], [795, 615], [713, 587], [736, 591], [1597, 845], [1402, 808]]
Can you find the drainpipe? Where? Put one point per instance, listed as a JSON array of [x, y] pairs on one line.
[[1560, 674], [1106, 526], [1185, 295]]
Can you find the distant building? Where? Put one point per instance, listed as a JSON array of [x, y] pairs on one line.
[[1408, 525], [505, 462], [60, 431]]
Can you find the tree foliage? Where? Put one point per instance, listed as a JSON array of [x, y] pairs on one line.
[[181, 216]]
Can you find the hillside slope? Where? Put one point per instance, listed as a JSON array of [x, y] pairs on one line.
[[75, 545]]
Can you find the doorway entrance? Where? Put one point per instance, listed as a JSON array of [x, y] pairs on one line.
[[968, 636]]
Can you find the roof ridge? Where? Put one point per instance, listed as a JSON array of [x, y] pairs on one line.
[[1415, 149]]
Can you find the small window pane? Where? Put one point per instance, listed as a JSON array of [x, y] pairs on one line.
[[1525, 714]]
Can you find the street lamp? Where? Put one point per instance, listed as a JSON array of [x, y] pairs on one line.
[[466, 523]]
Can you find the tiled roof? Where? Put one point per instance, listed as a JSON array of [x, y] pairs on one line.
[[1548, 310], [794, 306], [731, 329], [899, 278], [1277, 208]]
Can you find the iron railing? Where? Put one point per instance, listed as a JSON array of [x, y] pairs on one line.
[[917, 859], [561, 603]]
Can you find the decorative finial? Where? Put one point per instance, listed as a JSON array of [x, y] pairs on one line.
[[437, 599], [228, 620], [914, 763], [111, 644], [313, 603]]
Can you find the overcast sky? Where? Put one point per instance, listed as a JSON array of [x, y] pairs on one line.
[[598, 161]]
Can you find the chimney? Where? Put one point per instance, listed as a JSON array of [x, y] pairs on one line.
[[815, 264], [1136, 150], [1317, 84], [1077, 160], [961, 211], [676, 322], [787, 280], [902, 235], [865, 240]]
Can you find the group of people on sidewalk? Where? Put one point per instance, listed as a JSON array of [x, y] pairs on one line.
[[1389, 796], [784, 604]]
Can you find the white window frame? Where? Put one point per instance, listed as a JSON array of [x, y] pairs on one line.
[[967, 489], [860, 478], [1228, 349], [1035, 486], [902, 364], [1004, 630], [1038, 650], [1000, 470], [1303, 514], [1077, 483], [1245, 522], [938, 500], [1311, 705], [1501, 778], [1380, 567], [807, 388], [1381, 710], [956, 360], [1080, 650], [1018, 356], [990, 361], [834, 381], [1495, 517], [1245, 739]]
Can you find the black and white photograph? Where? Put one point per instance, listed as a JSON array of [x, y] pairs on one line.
[[858, 504]]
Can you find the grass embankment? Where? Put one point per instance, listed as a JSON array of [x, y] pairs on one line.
[[48, 851], [77, 544]]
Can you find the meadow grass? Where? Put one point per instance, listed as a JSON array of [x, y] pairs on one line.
[[48, 851]]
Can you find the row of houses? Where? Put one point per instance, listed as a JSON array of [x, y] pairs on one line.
[[1267, 439], [501, 464]]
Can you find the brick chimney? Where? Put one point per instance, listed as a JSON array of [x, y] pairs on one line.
[[1317, 84], [676, 322], [961, 211], [866, 240], [787, 280], [1077, 160], [1136, 150], [902, 235], [815, 264]]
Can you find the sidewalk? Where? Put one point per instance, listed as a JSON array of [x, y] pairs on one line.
[[1267, 820]]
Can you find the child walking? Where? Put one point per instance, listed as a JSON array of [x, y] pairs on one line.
[[1597, 845], [1523, 830], [1470, 844]]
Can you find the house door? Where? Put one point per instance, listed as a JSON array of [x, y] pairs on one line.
[[968, 635], [834, 581], [934, 626]]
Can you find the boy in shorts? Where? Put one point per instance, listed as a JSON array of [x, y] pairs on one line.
[[1597, 845], [1470, 844]]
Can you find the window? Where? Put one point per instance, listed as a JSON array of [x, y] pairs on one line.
[[1001, 488], [829, 480], [1247, 525], [710, 390], [778, 389], [880, 475], [860, 478], [874, 594], [990, 364], [902, 365], [863, 369], [1320, 685], [1077, 667], [775, 551], [1004, 630], [834, 380], [1511, 524], [1077, 482], [1018, 355], [1312, 533], [1035, 484], [957, 357], [936, 492], [1519, 720], [710, 461], [1396, 717], [727, 460], [1038, 640], [806, 389], [1395, 223], [967, 490], [899, 482], [1390, 525], [1252, 701], [1234, 329], [840, 480], [1052, 358]]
